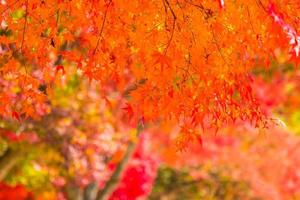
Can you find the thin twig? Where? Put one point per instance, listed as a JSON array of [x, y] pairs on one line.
[[248, 12], [173, 25], [102, 26], [219, 49], [206, 11], [57, 17], [24, 27], [252, 27], [262, 5]]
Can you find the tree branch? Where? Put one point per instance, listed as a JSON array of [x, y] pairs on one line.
[[219, 49], [24, 27], [102, 26], [173, 25], [8, 162], [112, 183]]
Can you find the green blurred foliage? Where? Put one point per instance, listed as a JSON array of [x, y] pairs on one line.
[[295, 122], [35, 167], [3, 146], [62, 94], [173, 184]]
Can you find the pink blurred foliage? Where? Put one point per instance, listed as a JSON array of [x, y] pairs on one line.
[[268, 161]]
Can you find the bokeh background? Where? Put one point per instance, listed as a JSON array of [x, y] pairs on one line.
[[76, 147]]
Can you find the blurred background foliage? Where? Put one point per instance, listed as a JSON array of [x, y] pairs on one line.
[[78, 144], [178, 184]]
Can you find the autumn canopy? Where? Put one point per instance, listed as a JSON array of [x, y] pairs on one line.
[[184, 61], [72, 69]]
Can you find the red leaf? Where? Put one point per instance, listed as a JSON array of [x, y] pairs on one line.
[[15, 115], [199, 139], [129, 110], [59, 68]]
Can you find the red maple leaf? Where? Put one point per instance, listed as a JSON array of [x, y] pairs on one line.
[[129, 110], [59, 68], [15, 115]]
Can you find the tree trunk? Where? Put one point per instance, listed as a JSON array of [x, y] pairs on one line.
[[112, 183], [7, 162]]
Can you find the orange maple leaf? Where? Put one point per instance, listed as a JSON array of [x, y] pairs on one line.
[[162, 60]]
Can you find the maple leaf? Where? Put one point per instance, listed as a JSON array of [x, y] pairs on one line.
[[129, 110], [59, 68], [162, 60], [29, 112], [15, 115]]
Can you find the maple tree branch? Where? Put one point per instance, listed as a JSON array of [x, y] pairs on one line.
[[7, 162], [172, 11], [102, 26], [41, 21], [24, 27], [219, 49], [252, 27], [248, 13], [57, 17], [134, 86], [208, 12], [199, 6], [173, 25], [259, 3], [112, 183]]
